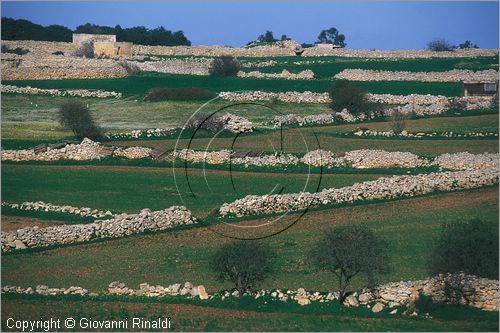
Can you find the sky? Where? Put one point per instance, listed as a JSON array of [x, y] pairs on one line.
[[366, 25]]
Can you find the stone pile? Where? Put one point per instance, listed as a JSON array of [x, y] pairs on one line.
[[235, 124], [384, 188], [420, 135], [44, 290], [318, 158], [367, 159], [48, 207], [186, 289], [266, 160], [119, 226], [293, 119], [303, 75], [50, 67], [142, 133], [133, 152], [5, 88], [190, 66], [250, 64], [477, 292], [86, 150], [456, 75], [287, 97], [465, 160]]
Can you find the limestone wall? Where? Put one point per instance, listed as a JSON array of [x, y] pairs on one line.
[[119, 226], [380, 189], [456, 75]]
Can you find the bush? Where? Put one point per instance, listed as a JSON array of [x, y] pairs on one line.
[[224, 66], [398, 123], [58, 53], [17, 50], [76, 116], [457, 104], [348, 251], [346, 95], [468, 45], [244, 263], [85, 50], [494, 102], [470, 247], [130, 67], [209, 123], [439, 45], [178, 94]]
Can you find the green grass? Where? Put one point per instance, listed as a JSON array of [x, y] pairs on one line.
[[130, 189], [138, 85], [335, 65], [64, 218], [252, 315], [182, 255]]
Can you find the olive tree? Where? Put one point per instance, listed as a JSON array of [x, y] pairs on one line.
[[470, 247], [74, 115], [244, 263], [348, 251]]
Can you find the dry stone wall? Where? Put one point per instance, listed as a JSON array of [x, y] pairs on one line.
[[49, 207], [5, 88], [119, 226], [50, 67], [472, 291], [380, 189], [288, 49], [456, 75]]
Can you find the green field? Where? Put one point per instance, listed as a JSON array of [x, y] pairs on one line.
[[410, 226], [180, 256], [138, 85], [327, 67], [250, 315]]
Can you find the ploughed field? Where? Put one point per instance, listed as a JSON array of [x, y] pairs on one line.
[[409, 225]]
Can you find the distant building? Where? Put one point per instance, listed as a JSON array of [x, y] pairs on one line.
[[111, 50], [84, 38], [479, 88], [104, 45]]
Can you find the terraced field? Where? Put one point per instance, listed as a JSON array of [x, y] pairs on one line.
[[410, 225]]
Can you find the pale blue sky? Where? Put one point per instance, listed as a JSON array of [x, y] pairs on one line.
[[367, 25]]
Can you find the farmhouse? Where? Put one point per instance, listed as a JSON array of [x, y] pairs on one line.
[[104, 45], [474, 88]]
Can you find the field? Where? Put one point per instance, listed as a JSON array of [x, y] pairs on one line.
[[409, 225]]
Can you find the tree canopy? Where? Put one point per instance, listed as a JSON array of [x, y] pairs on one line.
[[25, 30], [332, 36]]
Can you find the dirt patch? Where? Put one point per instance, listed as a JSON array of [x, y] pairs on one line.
[[11, 223]]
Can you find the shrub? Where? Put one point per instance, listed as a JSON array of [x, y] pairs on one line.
[[209, 123], [346, 95], [468, 45], [470, 247], [224, 66], [58, 53], [130, 67], [17, 50], [457, 104], [85, 50], [494, 102], [244, 263], [439, 45], [398, 123], [348, 251], [76, 116], [178, 94]]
